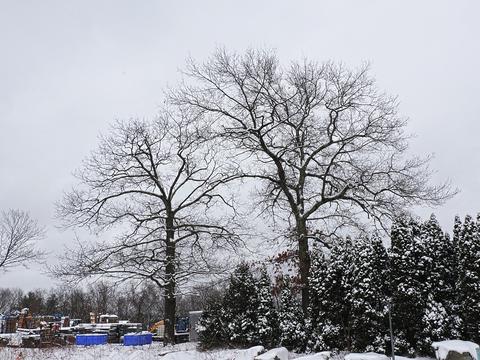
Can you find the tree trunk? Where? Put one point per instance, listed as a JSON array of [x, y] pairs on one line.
[[169, 297], [304, 262]]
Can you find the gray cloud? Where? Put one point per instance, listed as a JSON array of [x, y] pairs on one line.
[[68, 68]]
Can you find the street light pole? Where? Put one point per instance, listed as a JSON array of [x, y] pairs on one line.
[[392, 339]]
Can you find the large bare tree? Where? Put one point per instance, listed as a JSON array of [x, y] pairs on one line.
[[19, 234], [161, 184], [330, 148]]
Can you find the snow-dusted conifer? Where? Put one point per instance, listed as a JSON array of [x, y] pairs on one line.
[[240, 307], [331, 287], [267, 329], [316, 323], [469, 279], [439, 319], [457, 230], [291, 319], [245, 315], [211, 326], [456, 321], [368, 324], [408, 270]]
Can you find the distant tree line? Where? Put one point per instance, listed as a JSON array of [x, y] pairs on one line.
[[427, 280]]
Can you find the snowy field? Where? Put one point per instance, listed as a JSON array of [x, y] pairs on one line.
[[158, 352], [115, 351]]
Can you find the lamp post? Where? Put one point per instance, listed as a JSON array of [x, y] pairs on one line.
[[392, 339]]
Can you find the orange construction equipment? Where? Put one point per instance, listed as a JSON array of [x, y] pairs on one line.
[[158, 328], [25, 319]]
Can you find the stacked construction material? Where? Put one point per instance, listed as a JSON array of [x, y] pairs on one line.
[[8, 324]]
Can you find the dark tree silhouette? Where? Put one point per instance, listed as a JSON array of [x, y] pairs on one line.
[[160, 182], [329, 147]]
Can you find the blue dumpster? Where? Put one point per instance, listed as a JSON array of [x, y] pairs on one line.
[[91, 339], [137, 339]]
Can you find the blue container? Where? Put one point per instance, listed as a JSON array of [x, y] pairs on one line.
[[131, 340], [148, 338], [137, 339], [91, 339]]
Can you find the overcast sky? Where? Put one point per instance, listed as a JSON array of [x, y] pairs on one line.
[[69, 68]]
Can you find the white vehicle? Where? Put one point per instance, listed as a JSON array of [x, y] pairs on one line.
[[108, 319]]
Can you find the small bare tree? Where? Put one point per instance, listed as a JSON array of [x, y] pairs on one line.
[[161, 184], [329, 147], [10, 299], [19, 234]]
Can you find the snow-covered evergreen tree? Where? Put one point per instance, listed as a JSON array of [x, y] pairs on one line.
[[423, 268], [240, 307], [267, 328], [319, 328], [457, 229], [432, 282], [439, 319], [440, 260], [291, 319], [368, 323], [456, 321], [436, 325], [408, 269], [468, 285], [331, 295], [211, 327], [245, 316]]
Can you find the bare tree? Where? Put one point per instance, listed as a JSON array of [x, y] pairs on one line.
[[160, 183], [19, 234], [10, 299], [329, 147]]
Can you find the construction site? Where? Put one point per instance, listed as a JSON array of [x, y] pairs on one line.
[[21, 329]]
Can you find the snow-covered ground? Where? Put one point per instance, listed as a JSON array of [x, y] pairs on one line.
[[155, 351], [114, 351]]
